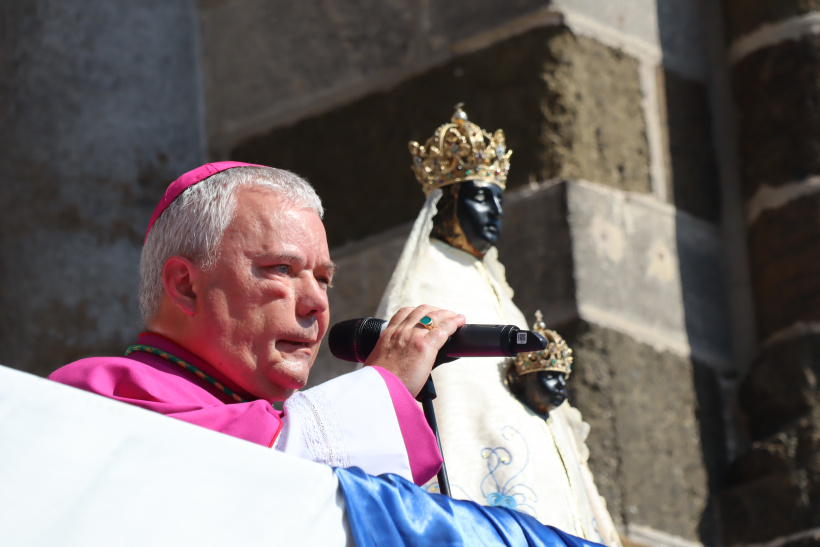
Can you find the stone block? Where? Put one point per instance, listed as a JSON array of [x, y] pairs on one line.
[[784, 257], [569, 106], [625, 246], [744, 16], [260, 56], [657, 433], [536, 249], [777, 92], [576, 248], [594, 127], [781, 385], [764, 510], [691, 167], [637, 18], [450, 22], [100, 114], [675, 27], [810, 539], [775, 486]]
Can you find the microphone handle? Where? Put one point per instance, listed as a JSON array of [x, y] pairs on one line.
[[480, 341], [354, 340], [467, 341]]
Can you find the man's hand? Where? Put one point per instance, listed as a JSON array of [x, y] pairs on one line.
[[408, 349]]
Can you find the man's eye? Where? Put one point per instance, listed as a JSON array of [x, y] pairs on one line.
[[283, 269], [480, 196]]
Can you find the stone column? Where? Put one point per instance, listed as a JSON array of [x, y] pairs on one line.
[[775, 54], [100, 110]]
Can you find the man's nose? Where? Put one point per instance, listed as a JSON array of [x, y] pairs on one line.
[[311, 297]]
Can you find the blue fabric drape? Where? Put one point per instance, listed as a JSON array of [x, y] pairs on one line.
[[389, 510]]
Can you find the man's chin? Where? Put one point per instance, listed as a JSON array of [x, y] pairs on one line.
[[289, 376]]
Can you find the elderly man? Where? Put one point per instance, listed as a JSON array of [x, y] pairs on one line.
[[233, 290]]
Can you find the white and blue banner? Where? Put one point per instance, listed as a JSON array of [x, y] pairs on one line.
[[77, 469]]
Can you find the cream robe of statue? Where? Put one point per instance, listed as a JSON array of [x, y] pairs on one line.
[[497, 451]]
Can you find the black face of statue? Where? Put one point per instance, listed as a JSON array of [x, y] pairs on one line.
[[553, 388], [479, 209], [543, 391]]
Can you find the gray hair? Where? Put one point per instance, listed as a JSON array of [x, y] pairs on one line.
[[193, 225]]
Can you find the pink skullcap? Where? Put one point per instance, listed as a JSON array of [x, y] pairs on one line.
[[189, 179]]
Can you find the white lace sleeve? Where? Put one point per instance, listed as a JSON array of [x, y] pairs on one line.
[[346, 422], [312, 427]]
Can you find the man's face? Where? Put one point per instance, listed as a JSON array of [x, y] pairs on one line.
[[479, 210], [262, 310]]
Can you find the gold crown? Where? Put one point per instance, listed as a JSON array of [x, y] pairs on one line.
[[457, 152], [557, 356]]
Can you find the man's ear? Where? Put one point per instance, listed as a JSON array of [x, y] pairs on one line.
[[178, 274]]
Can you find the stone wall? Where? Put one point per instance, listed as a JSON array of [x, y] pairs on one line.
[[773, 492]]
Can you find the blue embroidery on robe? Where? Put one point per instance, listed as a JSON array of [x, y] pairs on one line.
[[510, 494]]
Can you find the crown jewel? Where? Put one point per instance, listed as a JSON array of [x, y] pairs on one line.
[[557, 356], [460, 151]]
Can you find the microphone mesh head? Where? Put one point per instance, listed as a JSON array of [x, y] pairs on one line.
[[354, 339], [341, 338]]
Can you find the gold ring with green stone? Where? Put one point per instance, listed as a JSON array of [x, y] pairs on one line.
[[426, 322]]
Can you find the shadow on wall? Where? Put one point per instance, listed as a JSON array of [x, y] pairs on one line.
[[694, 186]]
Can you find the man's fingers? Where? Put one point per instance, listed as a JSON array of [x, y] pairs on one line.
[[408, 349], [400, 316], [443, 324], [417, 313], [439, 318], [449, 322]]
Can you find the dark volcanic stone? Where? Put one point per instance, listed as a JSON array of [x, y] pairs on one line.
[[691, 165], [810, 539], [778, 100], [764, 510], [594, 126], [775, 485], [746, 16], [570, 107], [775, 488], [784, 256], [536, 249], [781, 386]]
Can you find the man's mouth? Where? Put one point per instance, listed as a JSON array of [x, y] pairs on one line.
[[298, 343]]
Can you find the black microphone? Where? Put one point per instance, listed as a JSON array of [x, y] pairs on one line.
[[354, 339]]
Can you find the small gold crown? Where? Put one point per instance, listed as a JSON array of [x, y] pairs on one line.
[[457, 152], [557, 356]]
